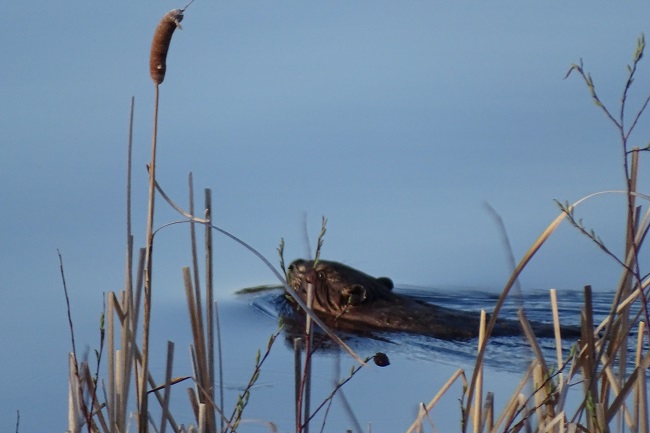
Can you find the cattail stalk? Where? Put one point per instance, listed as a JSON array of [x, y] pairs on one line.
[[157, 68]]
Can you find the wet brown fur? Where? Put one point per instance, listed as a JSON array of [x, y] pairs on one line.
[[350, 299]]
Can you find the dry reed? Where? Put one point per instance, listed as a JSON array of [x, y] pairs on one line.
[[613, 392], [601, 359]]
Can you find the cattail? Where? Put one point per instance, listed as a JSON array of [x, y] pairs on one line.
[[161, 39]]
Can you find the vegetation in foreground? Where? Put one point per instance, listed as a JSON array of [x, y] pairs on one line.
[[613, 396]]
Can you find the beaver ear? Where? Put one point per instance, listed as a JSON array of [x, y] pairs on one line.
[[386, 282], [356, 294]]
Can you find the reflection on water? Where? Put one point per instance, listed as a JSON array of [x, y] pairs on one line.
[[386, 397], [505, 353]]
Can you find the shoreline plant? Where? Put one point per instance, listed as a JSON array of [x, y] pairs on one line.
[[599, 360]]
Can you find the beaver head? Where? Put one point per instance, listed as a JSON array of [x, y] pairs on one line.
[[336, 286]]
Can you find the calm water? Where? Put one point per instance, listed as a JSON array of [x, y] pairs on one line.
[[508, 353], [386, 398]]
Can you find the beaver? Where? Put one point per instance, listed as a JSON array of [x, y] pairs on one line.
[[349, 299]]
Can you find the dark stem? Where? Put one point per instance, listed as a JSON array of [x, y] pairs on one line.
[[144, 409]]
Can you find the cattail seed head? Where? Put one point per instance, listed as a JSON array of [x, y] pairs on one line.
[[160, 45]]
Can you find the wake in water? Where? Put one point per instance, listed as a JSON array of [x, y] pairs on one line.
[[507, 353]]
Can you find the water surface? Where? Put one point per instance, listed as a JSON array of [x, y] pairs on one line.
[[387, 398], [420, 365]]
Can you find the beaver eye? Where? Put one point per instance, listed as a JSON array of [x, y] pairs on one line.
[[320, 275]]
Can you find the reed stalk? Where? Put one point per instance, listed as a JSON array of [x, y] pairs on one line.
[[120, 363], [558, 337], [418, 421], [111, 403], [74, 400], [212, 311], [304, 401], [297, 378], [479, 378], [157, 68], [167, 386], [200, 360], [641, 392], [196, 307]]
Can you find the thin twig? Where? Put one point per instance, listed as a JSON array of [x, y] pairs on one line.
[[235, 418], [81, 400], [354, 371]]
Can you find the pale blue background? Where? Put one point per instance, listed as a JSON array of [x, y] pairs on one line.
[[396, 120]]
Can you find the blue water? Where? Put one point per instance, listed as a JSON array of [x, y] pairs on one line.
[[385, 398], [505, 353]]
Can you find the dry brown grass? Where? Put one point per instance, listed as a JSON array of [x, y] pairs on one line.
[[612, 394]]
